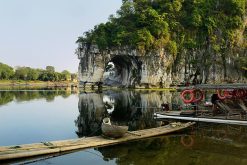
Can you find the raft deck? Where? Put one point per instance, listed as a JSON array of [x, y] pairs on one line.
[[37, 149]]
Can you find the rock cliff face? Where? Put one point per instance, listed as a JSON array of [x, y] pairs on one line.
[[131, 68], [155, 69]]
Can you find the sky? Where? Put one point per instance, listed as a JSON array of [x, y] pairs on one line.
[[40, 33]]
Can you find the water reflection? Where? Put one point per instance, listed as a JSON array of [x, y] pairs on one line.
[[212, 144], [29, 116], [92, 110], [7, 96], [132, 108], [204, 144], [229, 134], [221, 144]]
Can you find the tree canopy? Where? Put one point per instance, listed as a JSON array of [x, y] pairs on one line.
[[146, 24], [6, 72], [27, 73]]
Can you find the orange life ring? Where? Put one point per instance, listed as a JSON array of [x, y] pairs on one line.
[[241, 93], [245, 92], [234, 93], [187, 142], [221, 95], [201, 95], [191, 94], [228, 94]]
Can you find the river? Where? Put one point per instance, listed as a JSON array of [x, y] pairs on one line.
[[41, 115]]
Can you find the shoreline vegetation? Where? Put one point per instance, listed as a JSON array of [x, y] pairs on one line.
[[17, 83], [39, 84], [35, 77]]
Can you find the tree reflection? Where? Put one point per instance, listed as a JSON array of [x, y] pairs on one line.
[[205, 144], [209, 147], [6, 97], [28, 95]]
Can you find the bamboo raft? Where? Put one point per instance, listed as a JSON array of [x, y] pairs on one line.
[[43, 148]]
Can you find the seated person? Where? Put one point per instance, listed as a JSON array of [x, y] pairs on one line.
[[164, 107]]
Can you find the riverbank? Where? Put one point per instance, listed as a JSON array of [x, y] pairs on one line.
[[16, 83]]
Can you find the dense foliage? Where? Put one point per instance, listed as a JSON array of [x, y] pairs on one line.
[[27, 73], [6, 72], [216, 26]]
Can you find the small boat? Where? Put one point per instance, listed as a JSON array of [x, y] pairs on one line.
[[113, 131]]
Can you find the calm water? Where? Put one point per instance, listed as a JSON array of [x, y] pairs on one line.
[[28, 116]]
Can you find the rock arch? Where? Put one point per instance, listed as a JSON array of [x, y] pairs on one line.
[[132, 68], [126, 71]]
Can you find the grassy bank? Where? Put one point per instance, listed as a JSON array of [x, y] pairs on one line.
[[37, 83]]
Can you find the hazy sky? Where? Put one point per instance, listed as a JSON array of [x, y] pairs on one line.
[[38, 33]]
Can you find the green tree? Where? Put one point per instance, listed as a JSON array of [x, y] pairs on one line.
[[6, 72], [50, 69], [32, 74], [21, 73], [66, 75], [74, 76]]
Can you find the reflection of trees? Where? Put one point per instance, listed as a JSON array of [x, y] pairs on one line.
[[140, 152], [66, 94], [169, 150], [229, 134], [27, 95], [6, 97]]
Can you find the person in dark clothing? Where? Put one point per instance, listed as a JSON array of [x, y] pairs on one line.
[[107, 105], [164, 107], [214, 99]]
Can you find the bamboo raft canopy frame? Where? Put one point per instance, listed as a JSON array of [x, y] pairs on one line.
[[43, 148], [217, 86]]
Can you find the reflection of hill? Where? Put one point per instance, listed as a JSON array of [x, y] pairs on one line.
[[130, 108], [27, 95], [92, 111], [230, 135], [135, 108], [168, 150]]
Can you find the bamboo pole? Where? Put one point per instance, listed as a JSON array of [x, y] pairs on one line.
[[221, 121]]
